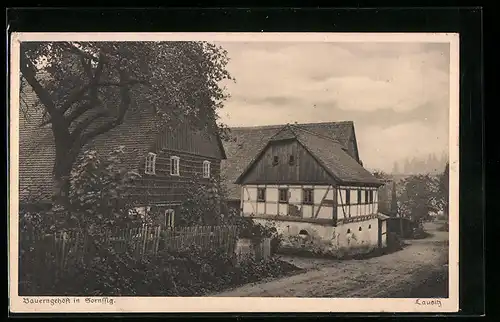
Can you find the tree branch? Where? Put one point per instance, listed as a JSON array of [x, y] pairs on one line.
[[75, 96], [73, 115], [29, 72], [131, 82], [92, 84], [86, 107], [124, 105], [80, 127], [80, 52]]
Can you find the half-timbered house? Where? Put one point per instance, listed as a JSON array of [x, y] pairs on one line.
[[168, 158], [306, 181]]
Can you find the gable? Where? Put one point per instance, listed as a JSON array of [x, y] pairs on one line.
[[328, 154], [246, 142], [304, 169], [284, 134]]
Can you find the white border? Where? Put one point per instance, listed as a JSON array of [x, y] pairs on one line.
[[221, 304]]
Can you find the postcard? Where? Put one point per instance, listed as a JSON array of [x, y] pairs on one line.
[[234, 172]]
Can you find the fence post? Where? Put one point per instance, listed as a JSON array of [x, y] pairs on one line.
[[144, 233], [157, 239]]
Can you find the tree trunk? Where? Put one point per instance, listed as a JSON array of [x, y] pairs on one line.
[[62, 170], [65, 158]]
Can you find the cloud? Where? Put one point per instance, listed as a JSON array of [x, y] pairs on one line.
[[322, 73], [380, 147], [399, 86]]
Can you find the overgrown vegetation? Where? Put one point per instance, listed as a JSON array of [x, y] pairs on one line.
[[415, 196], [205, 204], [98, 200], [86, 89], [187, 273]]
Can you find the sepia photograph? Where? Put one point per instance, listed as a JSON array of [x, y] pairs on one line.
[[233, 172]]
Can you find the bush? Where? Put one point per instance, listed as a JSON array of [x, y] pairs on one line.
[[444, 227], [99, 199], [188, 273], [248, 228]]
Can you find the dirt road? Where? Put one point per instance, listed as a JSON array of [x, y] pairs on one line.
[[399, 274]]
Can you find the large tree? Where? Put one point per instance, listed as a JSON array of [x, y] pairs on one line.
[[444, 189], [418, 197], [85, 89]]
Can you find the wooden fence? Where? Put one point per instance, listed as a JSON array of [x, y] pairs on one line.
[[64, 246]]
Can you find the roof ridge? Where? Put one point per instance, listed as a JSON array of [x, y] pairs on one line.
[[317, 134], [271, 126]]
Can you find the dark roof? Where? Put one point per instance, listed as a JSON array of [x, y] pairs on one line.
[[335, 159], [328, 142], [137, 135]]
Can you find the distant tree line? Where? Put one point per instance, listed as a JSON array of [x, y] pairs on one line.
[[414, 196], [431, 164]]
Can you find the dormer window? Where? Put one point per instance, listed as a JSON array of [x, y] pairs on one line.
[[206, 169], [275, 160], [150, 167], [174, 165], [291, 160]]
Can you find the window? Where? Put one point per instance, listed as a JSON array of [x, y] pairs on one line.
[[150, 164], [206, 169], [291, 160], [275, 160], [261, 194], [348, 231], [360, 229], [371, 196], [348, 197], [369, 226], [307, 196], [359, 195], [169, 218], [283, 195], [174, 166], [367, 196]]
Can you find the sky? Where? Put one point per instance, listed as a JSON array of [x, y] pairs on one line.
[[397, 94]]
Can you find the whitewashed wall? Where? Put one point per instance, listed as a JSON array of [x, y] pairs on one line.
[[346, 235], [354, 209], [272, 207]]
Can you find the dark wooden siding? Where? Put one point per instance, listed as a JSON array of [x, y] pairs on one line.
[[305, 169], [183, 137], [163, 188]]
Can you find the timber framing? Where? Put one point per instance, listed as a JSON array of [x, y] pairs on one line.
[[320, 221]]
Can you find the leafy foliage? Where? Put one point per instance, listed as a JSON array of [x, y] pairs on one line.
[[203, 202], [99, 191], [418, 197], [444, 189], [85, 89], [98, 197], [189, 273]]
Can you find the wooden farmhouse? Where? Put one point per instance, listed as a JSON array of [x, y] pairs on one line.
[[307, 179], [168, 158]]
